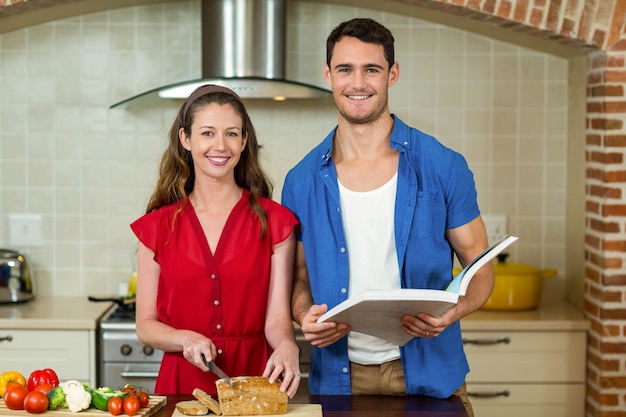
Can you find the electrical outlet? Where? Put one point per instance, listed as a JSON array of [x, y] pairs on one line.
[[495, 225], [25, 230]]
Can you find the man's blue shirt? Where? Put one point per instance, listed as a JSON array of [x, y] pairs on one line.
[[435, 192]]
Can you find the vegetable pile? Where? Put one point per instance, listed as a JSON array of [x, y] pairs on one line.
[[43, 391]]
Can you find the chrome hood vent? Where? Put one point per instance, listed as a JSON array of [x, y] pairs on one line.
[[243, 48]]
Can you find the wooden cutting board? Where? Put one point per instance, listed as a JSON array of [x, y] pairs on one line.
[[293, 410], [156, 403]]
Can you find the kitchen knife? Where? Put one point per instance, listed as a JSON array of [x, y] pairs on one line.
[[216, 370]]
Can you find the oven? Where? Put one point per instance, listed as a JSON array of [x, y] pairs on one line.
[[123, 358]]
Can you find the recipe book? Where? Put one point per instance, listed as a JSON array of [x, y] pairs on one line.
[[378, 312]]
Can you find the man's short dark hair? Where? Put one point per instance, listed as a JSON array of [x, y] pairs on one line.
[[366, 30]]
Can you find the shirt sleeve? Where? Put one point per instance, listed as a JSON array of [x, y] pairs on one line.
[[146, 230], [462, 198], [281, 223], [288, 201]]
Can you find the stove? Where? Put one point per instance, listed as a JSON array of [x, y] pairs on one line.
[[123, 358]]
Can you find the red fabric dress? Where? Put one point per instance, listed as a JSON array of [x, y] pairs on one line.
[[221, 295]]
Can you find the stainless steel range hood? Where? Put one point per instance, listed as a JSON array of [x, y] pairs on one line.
[[243, 48]]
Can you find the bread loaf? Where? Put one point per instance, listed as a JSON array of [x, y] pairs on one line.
[[251, 395], [192, 408], [207, 401]]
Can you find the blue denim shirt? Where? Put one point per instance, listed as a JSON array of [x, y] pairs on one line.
[[435, 192]]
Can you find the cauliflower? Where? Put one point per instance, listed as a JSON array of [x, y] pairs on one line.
[[76, 396]]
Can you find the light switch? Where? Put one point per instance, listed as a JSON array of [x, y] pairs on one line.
[[496, 226], [25, 230]]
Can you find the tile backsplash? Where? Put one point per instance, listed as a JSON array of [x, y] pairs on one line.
[[89, 170]]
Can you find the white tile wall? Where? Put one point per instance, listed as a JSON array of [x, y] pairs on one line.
[[89, 169]]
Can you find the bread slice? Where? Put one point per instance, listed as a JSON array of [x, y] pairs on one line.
[[251, 395], [207, 401], [192, 408]]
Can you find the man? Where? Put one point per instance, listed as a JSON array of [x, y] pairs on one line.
[[381, 205]]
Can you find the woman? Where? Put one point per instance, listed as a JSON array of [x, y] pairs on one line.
[[216, 254]]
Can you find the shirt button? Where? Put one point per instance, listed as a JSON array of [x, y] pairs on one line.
[[216, 302], [344, 290], [342, 250], [406, 143], [212, 276], [219, 326], [219, 351], [344, 370]]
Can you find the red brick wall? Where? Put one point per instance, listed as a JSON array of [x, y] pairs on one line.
[[597, 26]]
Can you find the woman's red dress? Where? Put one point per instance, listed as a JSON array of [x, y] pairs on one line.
[[221, 295]]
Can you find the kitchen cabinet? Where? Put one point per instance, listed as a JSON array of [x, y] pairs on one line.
[[71, 353], [527, 362], [56, 332]]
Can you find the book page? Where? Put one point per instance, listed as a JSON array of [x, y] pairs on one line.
[[461, 281]]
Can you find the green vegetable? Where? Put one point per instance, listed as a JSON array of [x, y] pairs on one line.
[[100, 397], [56, 398]]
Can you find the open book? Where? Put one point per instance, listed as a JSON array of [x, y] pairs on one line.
[[378, 312]]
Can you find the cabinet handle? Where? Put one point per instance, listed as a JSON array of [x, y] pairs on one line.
[[8, 338], [485, 342], [504, 393], [131, 374]]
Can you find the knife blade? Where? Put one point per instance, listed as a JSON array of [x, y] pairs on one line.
[[216, 370]]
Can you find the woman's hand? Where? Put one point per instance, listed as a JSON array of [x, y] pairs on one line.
[[284, 364], [195, 346]]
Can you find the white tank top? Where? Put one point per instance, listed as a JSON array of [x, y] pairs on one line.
[[372, 259]]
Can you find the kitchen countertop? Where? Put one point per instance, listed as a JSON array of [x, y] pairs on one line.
[[80, 313], [53, 313], [551, 315], [362, 406]]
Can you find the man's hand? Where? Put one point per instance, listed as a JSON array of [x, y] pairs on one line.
[[425, 325], [322, 334]]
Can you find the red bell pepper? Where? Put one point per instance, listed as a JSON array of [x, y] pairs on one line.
[[42, 376]]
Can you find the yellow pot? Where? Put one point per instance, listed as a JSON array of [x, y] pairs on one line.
[[517, 286]]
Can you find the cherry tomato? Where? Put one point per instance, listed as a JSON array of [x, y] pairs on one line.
[[14, 397], [12, 384], [131, 405], [115, 406], [36, 402], [144, 398], [44, 388]]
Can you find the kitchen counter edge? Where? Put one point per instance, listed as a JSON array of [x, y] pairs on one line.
[[553, 315], [53, 313]]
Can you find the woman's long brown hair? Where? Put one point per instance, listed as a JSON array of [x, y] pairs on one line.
[[176, 173]]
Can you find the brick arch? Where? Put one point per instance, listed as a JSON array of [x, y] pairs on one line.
[[596, 27], [584, 24]]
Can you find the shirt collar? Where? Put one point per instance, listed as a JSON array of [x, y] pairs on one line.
[[400, 140]]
